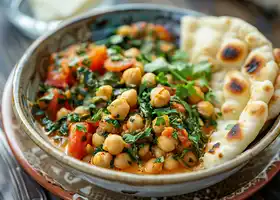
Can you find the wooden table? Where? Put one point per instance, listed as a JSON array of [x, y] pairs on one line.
[[13, 44]]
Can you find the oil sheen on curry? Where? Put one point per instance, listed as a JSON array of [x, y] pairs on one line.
[[132, 102]]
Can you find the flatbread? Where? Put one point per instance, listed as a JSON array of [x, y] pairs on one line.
[[244, 73]]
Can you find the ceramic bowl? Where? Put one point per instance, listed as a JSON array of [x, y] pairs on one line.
[[94, 26]]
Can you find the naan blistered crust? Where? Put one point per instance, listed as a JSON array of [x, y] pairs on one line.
[[244, 70]]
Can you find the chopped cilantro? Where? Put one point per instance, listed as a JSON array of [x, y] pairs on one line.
[[160, 121], [47, 97], [159, 160], [73, 117], [112, 121], [81, 127]]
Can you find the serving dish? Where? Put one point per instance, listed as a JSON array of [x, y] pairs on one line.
[[96, 26], [63, 183]]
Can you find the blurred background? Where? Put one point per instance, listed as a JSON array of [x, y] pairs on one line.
[[21, 21]]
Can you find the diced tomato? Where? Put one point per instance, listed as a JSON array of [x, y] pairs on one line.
[[167, 131], [118, 66], [208, 129], [97, 56], [183, 137], [80, 135], [53, 105], [162, 32], [179, 107], [59, 79]]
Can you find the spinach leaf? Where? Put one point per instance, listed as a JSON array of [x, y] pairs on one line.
[[73, 117], [177, 99], [131, 138], [164, 111]]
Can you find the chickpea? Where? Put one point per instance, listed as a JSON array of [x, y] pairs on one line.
[[102, 159], [169, 78], [170, 163], [122, 161], [119, 108], [140, 66], [105, 126], [89, 149], [158, 128], [152, 167], [124, 30], [205, 108], [158, 152], [159, 97], [82, 110], [195, 98], [203, 88], [132, 77], [143, 151], [189, 159], [97, 140], [62, 113], [132, 53], [149, 79], [167, 144], [135, 122], [114, 144], [130, 96], [87, 158], [105, 91]]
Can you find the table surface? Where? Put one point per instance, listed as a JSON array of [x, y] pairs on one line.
[[13, 45]]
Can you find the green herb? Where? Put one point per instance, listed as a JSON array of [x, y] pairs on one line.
[[143, 58], [86, 61], [183, 91], [81, 52], [35, 110], [182, 102], [162, 79], [160, 121], [47, 97], [133, 153], [114, 50], [81, 127], [114, 122], [97, 149], [49, 125], [164, 111], [229, 126], [209, 96], [74, 62], [73, 117], [116, 58], [130, 138], [180, 55], [43, 88], [64, 129], [97, 116], [202, 69], [159, 160], [156, 65], [110, 78], [116, 39], [175, 135]]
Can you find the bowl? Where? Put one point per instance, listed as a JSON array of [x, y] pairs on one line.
[[95, 26]]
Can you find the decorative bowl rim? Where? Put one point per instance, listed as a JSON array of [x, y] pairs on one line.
[[108, 174]]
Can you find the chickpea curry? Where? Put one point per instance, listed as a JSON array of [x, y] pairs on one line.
[[131, 102]]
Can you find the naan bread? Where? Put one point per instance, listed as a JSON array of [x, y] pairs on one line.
[[244, 70]]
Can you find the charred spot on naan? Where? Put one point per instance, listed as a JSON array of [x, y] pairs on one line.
[[235, 133], [214, 147], [236, 86], [233, 52], [255, 64], [268, 88], [256, 109]]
